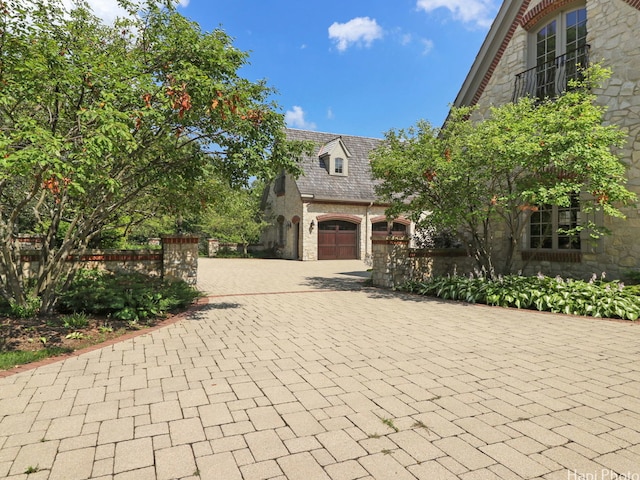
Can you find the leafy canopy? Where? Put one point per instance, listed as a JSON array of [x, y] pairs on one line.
[[100, 123]]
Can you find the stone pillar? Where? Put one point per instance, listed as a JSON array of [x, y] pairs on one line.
[[214, 246], [390, 261], [180, 258]]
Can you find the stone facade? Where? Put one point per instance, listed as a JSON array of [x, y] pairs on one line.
[[300, 224], [285, 214], [612, 27]]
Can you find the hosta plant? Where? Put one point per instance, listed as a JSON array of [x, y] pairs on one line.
[[596, 298]]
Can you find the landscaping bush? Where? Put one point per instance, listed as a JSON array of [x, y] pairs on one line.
[[595, 298], [125, 296]]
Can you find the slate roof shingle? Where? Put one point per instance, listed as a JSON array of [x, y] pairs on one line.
[[357, 186]]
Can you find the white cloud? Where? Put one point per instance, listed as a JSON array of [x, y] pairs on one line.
[[479, 12], [330, 113], [359, 31], [295, 119], [427, 46]]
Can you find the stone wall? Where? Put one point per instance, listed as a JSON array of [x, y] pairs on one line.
[[394, 262], [178, 259]]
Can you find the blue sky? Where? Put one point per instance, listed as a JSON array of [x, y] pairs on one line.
[[355, 67]]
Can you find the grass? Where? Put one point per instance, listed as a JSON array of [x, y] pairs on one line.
[[19, 357], [389, 423]]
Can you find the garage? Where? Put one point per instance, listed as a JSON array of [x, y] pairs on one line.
[[337, 240]]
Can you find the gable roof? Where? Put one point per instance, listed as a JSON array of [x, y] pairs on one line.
[[330, 147], [357, 186], [494, 45]]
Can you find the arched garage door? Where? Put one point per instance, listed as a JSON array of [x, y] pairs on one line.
[[337, 240]]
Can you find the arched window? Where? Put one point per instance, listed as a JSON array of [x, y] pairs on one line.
[[397, 229]]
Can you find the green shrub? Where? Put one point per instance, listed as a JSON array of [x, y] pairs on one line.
[[75, 320], [576, 297], [125, 296], [29, 310]]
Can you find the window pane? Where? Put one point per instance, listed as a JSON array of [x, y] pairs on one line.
[[337, 225], [399, 227], [576, 29], [548, 227], [541, 228], [568, 219], [545, 55], [379, 227], [338, 165]]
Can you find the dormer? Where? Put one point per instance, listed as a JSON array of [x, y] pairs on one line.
[[335, 157]]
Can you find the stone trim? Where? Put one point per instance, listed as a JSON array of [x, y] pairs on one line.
[[100, 257], [552, 256], [634, 3], [339, 201], [338, 216], [544, 9], [384, 218], [390, 241], [437, 252], [180, 240]]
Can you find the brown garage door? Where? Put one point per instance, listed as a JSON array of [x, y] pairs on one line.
[[337, 240]]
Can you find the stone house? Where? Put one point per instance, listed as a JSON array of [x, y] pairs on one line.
[[331, 210], [533, 48]]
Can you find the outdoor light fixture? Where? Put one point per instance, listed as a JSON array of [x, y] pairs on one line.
[[312, 224]]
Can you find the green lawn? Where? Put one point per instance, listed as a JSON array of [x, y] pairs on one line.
[[19, 357]]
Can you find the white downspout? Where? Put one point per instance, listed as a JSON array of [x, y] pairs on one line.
[[367, 232]]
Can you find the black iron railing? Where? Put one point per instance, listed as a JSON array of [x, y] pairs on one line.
[[550, 79]]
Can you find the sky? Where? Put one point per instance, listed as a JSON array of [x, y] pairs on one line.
[[351, 67]]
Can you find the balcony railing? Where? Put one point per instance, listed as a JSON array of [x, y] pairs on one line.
[[550, 79]]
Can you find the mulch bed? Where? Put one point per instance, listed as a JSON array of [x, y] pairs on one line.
[[36, 333]]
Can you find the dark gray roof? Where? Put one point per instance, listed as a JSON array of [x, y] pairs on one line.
[[357, 186]]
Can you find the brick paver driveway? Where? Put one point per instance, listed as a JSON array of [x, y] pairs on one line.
[[294, 371]]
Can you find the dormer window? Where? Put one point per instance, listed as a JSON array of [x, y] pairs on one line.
[[334, 156]]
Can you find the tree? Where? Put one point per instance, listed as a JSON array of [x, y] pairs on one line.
[[238, 217], [99, 123], [478, 177]]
